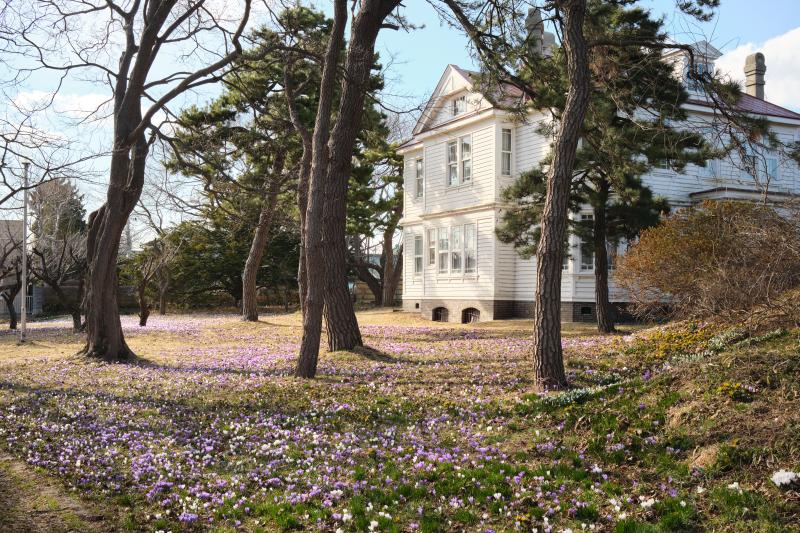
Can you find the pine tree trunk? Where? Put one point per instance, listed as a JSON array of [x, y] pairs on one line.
[[387, 298], [391, 283], [343, 331], [104, 337], [605, 313], [548, 359], [315, 263], [302, 182], [257, 247]]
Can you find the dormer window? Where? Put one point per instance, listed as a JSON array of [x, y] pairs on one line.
[[459, 105], [700, 71]]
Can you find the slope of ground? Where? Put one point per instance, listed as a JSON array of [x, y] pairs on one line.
[[435, 427]]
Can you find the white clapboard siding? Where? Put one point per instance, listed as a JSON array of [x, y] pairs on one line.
[[412, 283], [480, 190], [412, 206]]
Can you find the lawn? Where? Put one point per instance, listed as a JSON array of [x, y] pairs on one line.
[[433, 427]]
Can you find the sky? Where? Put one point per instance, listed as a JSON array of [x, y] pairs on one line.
[[740, 27], [416, 60]]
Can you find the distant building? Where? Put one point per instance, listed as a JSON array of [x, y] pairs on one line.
[[10, 254]]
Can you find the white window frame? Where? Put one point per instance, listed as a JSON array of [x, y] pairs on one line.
[[470, 249], [418, 254], [585, 244], [460, 257], [419, 177], [443, 236], [459, 160], [432, 247], [452, 163], [456, 249], [459, 105], [506, 153], [465, 161]]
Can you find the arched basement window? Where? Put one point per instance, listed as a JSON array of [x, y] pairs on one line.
[[440, 314], [469, 315]]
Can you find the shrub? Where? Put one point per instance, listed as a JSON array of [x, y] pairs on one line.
[[721, 259]]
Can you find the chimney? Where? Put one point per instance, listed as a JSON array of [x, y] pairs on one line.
[[754, 69], [535, 28]]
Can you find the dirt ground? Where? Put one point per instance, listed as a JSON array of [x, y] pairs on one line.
[[33, 502]]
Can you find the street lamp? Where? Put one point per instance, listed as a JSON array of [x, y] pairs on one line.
[[23, 307]]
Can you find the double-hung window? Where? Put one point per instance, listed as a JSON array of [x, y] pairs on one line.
[[418, 247], [419, 177], [459, 105], [444, 250], [452, 163], [505, 152], [459, 161], [587, 248], [431, 247], [456, 244], [470, 246], [466, 158]]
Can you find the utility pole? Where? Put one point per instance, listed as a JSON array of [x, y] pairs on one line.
[[23, 307]]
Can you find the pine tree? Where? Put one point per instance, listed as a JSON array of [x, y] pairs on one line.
[[632, 124]]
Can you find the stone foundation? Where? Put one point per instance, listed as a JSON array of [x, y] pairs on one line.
[[446, 310]]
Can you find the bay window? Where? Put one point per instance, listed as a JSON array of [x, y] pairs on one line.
[[470, 246], [431, 247], [456, 250], [417, 254], [444, 250]]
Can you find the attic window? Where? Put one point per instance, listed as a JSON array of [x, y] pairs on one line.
[[697, 74], [459, 105]]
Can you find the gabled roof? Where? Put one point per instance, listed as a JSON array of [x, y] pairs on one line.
[[751, 104], [430, 108]]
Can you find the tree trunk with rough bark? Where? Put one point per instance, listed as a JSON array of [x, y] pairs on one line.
[[373, 283], [342, 325], [605, 313], [12, 313], [257, 247], [389, 267], [144, 305], [315, 265], [303, 180], [104, 337], [162, 298], [548, 362]]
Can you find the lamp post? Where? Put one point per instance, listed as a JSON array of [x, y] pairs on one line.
[[23, 307]]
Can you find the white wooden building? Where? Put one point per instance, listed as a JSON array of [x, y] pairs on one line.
[[464, 152]]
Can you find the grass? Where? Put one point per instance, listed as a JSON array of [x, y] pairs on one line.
[[436, 427]]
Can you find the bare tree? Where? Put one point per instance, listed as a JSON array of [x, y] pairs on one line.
[[58, 257], [76, 36], [10, 266]]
